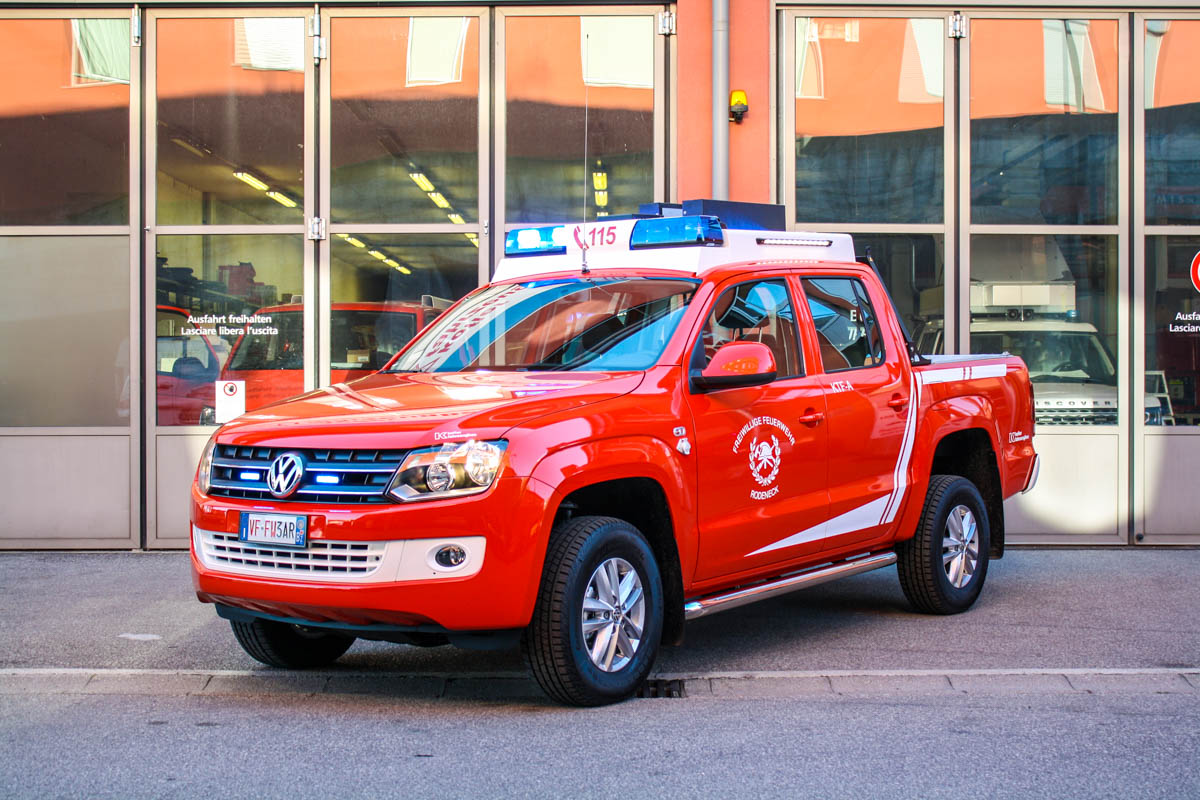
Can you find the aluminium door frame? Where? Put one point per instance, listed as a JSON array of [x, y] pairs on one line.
[[151, 232], [786, 116], [133, 430]]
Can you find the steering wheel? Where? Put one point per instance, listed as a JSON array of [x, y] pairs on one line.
[[1068, 366]]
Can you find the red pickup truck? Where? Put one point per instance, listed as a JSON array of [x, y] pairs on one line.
[[637, 423]]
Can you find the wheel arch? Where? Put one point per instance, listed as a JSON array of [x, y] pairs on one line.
[[970, 452]]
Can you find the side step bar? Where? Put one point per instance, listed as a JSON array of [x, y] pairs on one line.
[[800, 580]]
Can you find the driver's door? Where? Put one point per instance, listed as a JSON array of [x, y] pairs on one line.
[[761, 450]]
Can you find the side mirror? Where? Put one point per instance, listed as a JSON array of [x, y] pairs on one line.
[[736, 364]]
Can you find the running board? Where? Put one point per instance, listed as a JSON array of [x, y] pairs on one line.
[[801, 580]]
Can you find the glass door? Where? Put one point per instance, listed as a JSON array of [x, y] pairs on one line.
[[229, 192], [1166, 220], [1044, 219], [580, 113], [864, 115], [404, 157]]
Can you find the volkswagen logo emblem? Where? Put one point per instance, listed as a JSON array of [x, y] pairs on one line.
[[284, 474]]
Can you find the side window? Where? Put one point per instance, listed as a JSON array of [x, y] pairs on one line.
[[758, 311], [847, 328]]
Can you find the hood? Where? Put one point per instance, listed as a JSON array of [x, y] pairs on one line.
[[402, 410]]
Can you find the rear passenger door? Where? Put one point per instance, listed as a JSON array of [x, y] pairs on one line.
[[761, 450], [869, 402]]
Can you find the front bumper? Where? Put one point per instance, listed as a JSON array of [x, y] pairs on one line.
[[394, 587]]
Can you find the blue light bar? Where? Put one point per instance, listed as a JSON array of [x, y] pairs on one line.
[[248, 476], [677, 232], [550, 240], [327, 479]]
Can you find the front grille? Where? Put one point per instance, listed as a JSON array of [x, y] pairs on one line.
[[330, 476], [1075, 416], [321, 558]]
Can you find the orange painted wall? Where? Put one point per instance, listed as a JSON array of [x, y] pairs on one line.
[[749, 70]]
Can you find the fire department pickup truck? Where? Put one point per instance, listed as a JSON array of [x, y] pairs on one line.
[[639, 422]]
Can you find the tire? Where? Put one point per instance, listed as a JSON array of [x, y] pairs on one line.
[[560, 641], [943, 567], [278, 644]]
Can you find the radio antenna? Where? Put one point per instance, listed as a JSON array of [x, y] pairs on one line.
[[586, 164]]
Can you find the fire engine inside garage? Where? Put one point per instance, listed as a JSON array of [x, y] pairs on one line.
[[206, 209]]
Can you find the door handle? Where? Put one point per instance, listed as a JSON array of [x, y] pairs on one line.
[[812, 418], [898, 402]]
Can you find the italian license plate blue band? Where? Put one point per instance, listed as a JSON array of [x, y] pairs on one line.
[[277, 530]]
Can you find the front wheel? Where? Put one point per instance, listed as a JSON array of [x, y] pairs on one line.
[[943, 567], [598, 619], [278, 644]]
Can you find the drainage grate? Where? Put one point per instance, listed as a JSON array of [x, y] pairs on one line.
[[658, 687]]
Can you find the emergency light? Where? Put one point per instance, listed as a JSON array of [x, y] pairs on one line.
[[677, 232], [548, 240]]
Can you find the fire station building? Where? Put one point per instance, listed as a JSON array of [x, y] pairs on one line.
[[208, 207]]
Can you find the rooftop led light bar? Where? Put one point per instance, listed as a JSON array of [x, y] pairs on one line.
[[550, 240], [795, 241], [677, 232]]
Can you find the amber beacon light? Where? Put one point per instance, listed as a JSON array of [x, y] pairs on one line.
[[738, 105]]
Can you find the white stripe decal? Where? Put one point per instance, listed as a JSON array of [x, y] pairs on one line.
[[876, 512], [947, 374]]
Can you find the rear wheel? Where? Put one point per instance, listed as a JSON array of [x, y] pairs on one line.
[[278, 644], [598, 619], [943, 567]]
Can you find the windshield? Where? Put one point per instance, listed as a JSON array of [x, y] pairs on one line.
[[1053, 356], [566, 324]]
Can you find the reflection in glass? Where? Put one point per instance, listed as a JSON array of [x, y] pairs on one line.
[[1172, 122], [229, 308], [405, 119], [388, 289], [64, 331], [580, 116], [64, 122], [1044, 128], [230, 121], [912, 267], [1173, 329], [869, 120], [1052, 300]]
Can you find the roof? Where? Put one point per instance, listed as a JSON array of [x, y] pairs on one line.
[[612, 244]]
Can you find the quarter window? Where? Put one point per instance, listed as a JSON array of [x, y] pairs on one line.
[[846, 324]]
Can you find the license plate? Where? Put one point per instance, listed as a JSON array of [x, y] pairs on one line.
[[281, 530]]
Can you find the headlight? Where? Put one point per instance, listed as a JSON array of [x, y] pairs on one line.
[[450, 470], [204, 474], [1154, 416]]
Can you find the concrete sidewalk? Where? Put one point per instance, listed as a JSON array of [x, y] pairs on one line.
[[1049, 621]]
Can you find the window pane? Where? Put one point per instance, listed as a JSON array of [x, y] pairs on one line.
[[912, 267], [64, 122], [1044, 125], [405, 119], [1052, 300], [756, 312], [389, 289], [847, 329], [230, 121], [1172, 122], [229, 308], [580, 111], [64, 331], [1173, 330], [869, 120]]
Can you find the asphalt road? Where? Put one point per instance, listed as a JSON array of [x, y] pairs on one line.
[[1076, 675]]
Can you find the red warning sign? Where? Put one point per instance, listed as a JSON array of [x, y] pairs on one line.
[[1196, 271]]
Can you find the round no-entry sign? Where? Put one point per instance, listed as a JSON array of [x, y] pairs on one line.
[[1196, 271]]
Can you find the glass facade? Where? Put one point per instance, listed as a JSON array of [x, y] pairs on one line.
[[284, 223]]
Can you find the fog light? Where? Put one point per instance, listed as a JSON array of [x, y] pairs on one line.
[[450, 556]]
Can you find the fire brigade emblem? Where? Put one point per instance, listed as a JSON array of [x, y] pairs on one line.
[[764, 453], [764, 460]]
